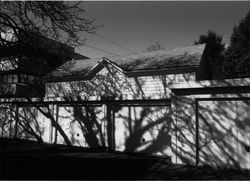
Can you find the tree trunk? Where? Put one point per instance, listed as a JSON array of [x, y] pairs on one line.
[[90, 136]]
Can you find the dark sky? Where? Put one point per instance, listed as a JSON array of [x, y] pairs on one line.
[[137, 25]]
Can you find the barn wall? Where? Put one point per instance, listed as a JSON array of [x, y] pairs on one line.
[[32, 125], [82, 127], [224, 132], [151, 129], [184, 124], [224, 124], [144, 129], [155, 87]]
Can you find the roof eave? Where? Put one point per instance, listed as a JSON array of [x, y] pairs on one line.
[[68, 79], [156, 72], [90, 75], [229, 86], [77, 56], [211, 90]]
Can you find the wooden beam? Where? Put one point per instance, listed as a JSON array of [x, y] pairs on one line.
[[197, 133], [211, 90], [57, 112], [139, 102], [109, 127], [139, 73], [51, 125], [17, 120], [240, 98], [113, 129]]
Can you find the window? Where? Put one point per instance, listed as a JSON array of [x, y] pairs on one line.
[[31, 79], [8, 64], [9, 78], [23, 78], [15, 78]]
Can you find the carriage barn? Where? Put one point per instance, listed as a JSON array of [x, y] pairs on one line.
[[195, 124], [134, 94], [134, 104]]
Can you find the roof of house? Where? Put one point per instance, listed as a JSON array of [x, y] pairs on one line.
[[153, 63], [163, 59], [73, 68]]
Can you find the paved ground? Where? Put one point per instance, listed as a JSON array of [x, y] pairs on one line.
[[31, 160]]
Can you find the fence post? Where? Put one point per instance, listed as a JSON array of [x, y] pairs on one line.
[[174, 118], [110, 127], [51, 125], [57, 110], [16, 122], [197, 144], [113, 128]]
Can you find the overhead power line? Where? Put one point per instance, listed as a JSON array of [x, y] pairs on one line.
[[117, 44], [105, 51], [120, 55]]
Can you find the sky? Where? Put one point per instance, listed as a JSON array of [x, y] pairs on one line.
[[135, 25]]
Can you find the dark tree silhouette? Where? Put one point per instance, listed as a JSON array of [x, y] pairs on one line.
[[210, 66], [237, 56]]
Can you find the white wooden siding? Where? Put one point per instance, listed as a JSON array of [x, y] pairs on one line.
[[105, 83]]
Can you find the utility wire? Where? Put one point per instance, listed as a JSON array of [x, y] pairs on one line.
[[111, 41], [104, 50], [120, 55]]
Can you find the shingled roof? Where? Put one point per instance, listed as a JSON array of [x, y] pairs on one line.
[[163, 59], [185, 59]]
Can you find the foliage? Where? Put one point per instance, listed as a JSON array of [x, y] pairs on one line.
[[234, 62], [212, 59], [237, 56]]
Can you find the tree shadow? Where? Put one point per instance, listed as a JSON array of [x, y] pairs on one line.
[[152, 129]]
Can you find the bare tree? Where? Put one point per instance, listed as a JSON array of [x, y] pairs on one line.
[[154, 47], [23, 24], [58, 20]]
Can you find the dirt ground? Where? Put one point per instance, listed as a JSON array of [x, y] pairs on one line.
[[22, 159]]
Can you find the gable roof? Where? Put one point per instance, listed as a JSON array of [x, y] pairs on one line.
[[179, 60]]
